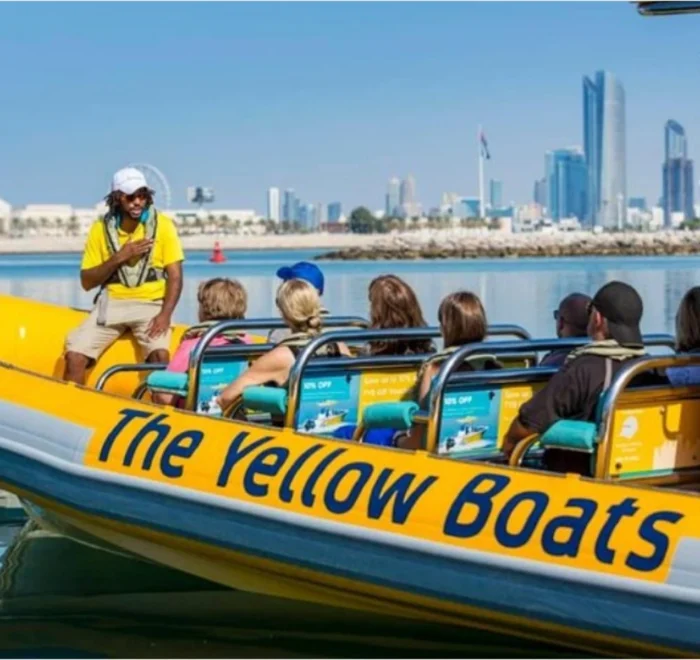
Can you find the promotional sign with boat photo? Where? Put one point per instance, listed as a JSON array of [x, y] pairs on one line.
[[470, 422], [327, 402]]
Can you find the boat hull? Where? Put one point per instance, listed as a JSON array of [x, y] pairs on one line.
[[33, 334], [331, 522]]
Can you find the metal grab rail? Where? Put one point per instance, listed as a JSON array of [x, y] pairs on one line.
[[255, 350], [620, 382], [206, 339], [124, 368], [487, 378], [297, 370], [452, 364], [499, 329]]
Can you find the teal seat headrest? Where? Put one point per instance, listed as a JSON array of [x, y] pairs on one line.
[[271, 400], [571, 434], [390, 415], [172, 382]]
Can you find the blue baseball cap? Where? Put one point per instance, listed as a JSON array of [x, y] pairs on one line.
[[303, 270]]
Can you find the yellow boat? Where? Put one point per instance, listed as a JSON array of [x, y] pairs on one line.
[[607, 565]]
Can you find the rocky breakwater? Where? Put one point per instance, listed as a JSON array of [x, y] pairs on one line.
[[453, 245]]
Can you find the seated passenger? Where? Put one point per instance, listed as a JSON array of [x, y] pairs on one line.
[[300, 307], [687, 338], [302, 270], [220, 299], [572, 321], [573, 393], [393, 304], [462, 321]]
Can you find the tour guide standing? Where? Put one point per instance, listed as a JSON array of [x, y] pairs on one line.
[[134, 255]]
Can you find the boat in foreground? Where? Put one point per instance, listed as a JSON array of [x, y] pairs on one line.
[[600, 566]]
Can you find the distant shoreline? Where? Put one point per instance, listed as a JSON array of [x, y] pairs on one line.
[[200, 243], [424, 244], [497, 245]]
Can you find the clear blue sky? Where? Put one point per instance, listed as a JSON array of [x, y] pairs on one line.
[[331, 99]]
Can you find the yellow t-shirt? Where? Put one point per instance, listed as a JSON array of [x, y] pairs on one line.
[[166, 250]]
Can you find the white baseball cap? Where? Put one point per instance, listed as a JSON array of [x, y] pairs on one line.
[[128, 180]]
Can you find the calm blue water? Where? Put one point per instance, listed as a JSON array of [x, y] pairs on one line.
[[62, 599], [523, 291], [58, 599]]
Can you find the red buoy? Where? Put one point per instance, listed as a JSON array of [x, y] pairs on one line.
[[217, 256]]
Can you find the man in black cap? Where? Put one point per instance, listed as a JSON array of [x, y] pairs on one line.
[[571, 318], [614, 315]]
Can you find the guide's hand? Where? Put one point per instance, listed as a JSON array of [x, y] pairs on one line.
[[132, 249], [158, 325]]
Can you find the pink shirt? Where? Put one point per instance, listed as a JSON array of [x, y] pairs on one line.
[[180, 361]]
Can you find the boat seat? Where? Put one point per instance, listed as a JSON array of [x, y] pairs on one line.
[[332, 401], [570, 434], [654, 437], [167, 382], [390, 414], [474, 417], [215, 373], [263, 399]]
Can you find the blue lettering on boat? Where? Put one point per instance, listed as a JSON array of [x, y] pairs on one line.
[[390, 494], [477, 498]]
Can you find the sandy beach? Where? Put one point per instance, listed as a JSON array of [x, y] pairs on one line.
[[321, 241]]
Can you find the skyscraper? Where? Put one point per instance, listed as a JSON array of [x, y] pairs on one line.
[[392, 206], [540, 192], [273, 204], [307, 217], [320, 216], [407, 197], [496, 193], [566, 183], [677, 175], [407, 192], [676, 144], [605, 150], [335, 210], [289, 206]]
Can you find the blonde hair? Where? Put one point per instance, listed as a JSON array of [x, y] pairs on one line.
[[462, 319], [221, 298], [688, 322], [300, 306]]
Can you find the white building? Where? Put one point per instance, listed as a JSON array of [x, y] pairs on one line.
[[214, 221], [273, 204], [526, 217], [657, 218], [52, 219], [639, 219], [569, 224], [5, 217]]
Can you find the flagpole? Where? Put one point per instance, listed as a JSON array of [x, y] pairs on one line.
[[481, 174]]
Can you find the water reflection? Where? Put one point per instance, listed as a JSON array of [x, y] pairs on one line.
[[62, 599], [514, 291]]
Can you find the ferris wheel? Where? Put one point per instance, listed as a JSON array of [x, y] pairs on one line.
[[157, 182]]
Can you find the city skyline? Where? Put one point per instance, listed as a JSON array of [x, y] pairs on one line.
[[677, 172], [67, 133]]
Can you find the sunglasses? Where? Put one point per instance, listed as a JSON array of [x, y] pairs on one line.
[[139, 194]]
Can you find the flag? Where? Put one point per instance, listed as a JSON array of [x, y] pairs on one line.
[[484, 146]]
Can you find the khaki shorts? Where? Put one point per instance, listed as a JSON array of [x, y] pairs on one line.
[[92, 340]]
